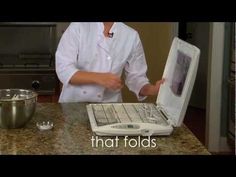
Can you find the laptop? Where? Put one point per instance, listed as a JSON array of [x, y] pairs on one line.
[[152, 119]]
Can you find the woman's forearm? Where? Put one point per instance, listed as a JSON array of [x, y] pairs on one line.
[[83, 77], [107, 80]]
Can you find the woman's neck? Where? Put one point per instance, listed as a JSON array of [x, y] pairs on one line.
[[107, 27]]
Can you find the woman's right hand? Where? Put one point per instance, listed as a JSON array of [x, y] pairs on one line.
[[109, 81]]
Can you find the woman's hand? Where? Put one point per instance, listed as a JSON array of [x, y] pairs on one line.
[[150, 90], [109, 81], [158, 85]]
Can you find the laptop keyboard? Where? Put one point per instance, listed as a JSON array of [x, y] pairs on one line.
[[106, 114]]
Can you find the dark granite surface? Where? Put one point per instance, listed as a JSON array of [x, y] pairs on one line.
[[72, 135]]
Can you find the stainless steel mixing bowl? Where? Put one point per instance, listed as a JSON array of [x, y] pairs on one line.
[[17, 107]]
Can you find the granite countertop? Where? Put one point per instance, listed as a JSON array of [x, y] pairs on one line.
[[72, 135]]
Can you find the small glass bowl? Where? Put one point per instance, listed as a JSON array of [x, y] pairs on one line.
[[45, 125]]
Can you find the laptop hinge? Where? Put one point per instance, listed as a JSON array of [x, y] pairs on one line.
[[165, 115]]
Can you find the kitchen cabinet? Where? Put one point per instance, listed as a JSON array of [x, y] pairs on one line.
[[51, 98], [72, 134], [48, 98]]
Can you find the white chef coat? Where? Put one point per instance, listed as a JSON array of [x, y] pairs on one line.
[[83, 47]]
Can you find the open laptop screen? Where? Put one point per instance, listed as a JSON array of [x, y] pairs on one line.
[[180, 73]]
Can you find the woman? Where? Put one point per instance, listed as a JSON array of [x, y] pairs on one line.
[[90, 60]]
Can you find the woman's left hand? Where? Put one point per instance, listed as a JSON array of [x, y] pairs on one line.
[[150, 90]]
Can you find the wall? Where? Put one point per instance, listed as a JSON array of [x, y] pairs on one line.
[[214, 86], [217, 88], [61, 27], [156, 38]]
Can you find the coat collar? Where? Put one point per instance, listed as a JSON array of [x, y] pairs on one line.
[[112, 30], [101, 38]]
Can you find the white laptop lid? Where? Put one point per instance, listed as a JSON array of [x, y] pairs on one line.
[[180, 73]]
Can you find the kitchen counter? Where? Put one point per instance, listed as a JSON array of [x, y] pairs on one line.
[[72, 135]]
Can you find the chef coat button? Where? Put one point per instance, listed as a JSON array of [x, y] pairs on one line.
[[84, 92], [99, 95], [108, 57]]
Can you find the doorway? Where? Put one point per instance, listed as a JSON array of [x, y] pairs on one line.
[[197, 33]]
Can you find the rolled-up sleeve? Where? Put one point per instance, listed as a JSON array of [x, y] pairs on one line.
[[136, 69], [66, 54]]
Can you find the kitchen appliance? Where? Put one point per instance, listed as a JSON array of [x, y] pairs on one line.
[[17, 107], [147, 119], [27, 56]]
